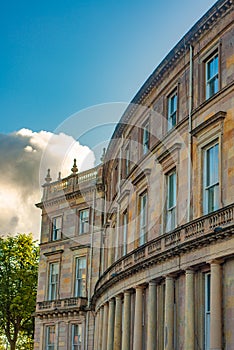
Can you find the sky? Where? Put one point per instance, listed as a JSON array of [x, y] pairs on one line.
[[67, 71]]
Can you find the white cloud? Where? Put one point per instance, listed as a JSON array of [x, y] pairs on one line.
[[25, 157]]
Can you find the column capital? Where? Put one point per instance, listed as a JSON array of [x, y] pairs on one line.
[[140, 286], [111, 301], [128, 291], [216, 261], [153, 283], [119, 297], [189, 270]]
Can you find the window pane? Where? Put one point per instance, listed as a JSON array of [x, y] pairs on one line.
[[50, 337], [211, 179], [143, 218], [172, 111], [53, 281], [212, 81], [56, 228], [80, 282], [84, 221]]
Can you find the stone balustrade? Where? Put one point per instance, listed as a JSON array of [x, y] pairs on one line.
[[208, 227], [48, 305]]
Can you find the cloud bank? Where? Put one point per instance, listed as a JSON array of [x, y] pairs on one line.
[[25, 157]]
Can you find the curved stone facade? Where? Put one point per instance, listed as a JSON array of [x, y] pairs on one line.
[[144, 255]]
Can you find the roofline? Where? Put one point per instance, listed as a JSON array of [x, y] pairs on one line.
[[192, 36]]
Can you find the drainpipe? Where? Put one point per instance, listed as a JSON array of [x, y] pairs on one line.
[[90, 269], [189, 215]]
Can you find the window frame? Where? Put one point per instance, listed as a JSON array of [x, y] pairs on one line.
[[49, 346], [56, 233], [145, 137], [80, 282], [143, 217], [51, 294], [171, 114], [84, 223], [215, 77], [216, 184], [171, 210], [74, 345]]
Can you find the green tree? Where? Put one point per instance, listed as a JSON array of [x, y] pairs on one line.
[[19, 257]]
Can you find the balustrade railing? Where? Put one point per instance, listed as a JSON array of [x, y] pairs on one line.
[[61, 303], [194, 230]]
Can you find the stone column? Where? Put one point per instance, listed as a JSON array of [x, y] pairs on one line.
[[126, 321], [105, 327], [215, 306], [152, 316], [96, 330], [118, 323], [137, 340], [99, 342], [169, 314], [111, 319], [189, 342]]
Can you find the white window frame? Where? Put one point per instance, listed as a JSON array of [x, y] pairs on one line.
[[207, 311], [211, 182], [145, 137], [76, 345], [143, 213], [212, 78], [48, 345], [171, 201], [53, 281], [125, 232], [84, 221], [56, 228], [172, 108], [80, 281]]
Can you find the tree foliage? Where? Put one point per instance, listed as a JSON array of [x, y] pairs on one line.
[[18, 286]]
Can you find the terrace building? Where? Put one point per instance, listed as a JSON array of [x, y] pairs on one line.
[[138, 253]]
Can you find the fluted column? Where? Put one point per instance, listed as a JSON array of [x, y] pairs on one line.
[[96, 330], [100, 327], [137, 340], [126, 321], [215, 306], [105, 327], [152, 316], [169, 314], [118, 323], [111, 319], [189, 310]]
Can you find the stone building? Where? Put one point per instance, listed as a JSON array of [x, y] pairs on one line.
[[138, 253]]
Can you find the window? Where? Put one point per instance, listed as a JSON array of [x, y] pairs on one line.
[[80, 277], [212, 76], [56, 228], [127, 160], [53, 281], [207, 311], [76, 336], [171, 202], [125, 232], [143, 217], [172, 110], [50, 337], [211, 179], [84, 221], [145, 138]]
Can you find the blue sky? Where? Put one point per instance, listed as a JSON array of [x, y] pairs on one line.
[[72, 66], [58, 57]]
